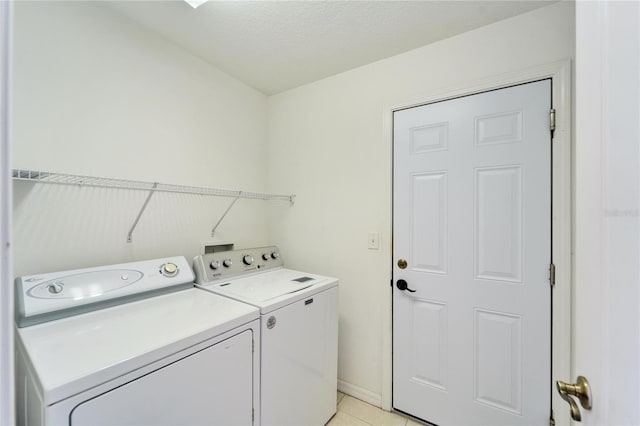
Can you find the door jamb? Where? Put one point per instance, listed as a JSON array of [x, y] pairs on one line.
[[7, 393], [561, 221]]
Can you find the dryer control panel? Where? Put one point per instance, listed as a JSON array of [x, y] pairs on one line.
[[49, 296], [226, 264]]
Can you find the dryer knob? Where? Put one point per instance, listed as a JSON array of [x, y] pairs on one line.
[[169, 269], [275, 255], [55, 288], [214, 264], [247, 259], [265, 256], [227, 262]]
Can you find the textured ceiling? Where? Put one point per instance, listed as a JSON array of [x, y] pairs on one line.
[[277, 45]]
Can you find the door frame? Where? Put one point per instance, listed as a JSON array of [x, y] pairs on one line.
[[7, 395], [561, 221]]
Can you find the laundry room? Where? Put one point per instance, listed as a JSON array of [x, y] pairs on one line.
[[122, 91]]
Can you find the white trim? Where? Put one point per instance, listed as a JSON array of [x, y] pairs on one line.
[[560, 73], [6, 285], [358, 392]]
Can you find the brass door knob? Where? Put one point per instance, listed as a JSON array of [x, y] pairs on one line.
[[402, 263], [580, 390]]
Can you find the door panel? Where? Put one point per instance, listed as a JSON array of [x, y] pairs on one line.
[[498, 374], [429, 218], [472, 210], [429, 345], [498, 224]]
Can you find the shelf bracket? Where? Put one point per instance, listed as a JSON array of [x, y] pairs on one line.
[[213, 231], [144, 206]]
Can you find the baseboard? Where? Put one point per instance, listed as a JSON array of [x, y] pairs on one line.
[[360, 393]]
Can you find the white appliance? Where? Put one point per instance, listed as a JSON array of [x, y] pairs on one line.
[[299, 330], [180, 358]]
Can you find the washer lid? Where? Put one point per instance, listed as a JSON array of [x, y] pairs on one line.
[[73, 354], [271, 289]]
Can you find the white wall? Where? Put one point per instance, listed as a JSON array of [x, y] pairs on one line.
[[96, 94], [328, 144]]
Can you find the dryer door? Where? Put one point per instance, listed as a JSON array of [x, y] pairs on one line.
[[211, 387]]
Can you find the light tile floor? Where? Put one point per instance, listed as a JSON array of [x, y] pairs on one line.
[[353, 412]]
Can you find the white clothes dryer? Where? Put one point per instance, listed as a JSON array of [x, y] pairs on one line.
[[299, 326], [180, 358]]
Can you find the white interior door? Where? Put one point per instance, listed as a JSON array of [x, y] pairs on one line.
[[607, 248], [472, 209]]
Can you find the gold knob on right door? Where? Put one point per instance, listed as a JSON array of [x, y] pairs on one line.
[[402, 263], [580, 390]]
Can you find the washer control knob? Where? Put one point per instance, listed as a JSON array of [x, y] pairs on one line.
[[215, 264], [169, 269], [275, 255], [247, 259], [55, 288], [227, 263], [265, 256]]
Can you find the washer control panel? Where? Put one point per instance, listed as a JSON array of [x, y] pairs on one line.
[[225, 264], [48, 296]]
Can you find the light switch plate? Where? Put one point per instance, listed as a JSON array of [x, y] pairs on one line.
[[373, 241]]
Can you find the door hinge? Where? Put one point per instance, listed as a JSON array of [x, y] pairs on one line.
[[552, 274], [552, 420], [552, 120], [253, 415]]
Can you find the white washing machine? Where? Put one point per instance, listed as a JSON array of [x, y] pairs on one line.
[[119, 345], [299, 325]]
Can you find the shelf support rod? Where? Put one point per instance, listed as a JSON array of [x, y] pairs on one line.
[[144, 206], [213, 231]]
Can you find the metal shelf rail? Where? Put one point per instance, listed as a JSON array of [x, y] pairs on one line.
[[152, 187]]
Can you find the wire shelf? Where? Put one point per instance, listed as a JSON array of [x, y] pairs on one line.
[[151, 187], [94, 181]]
